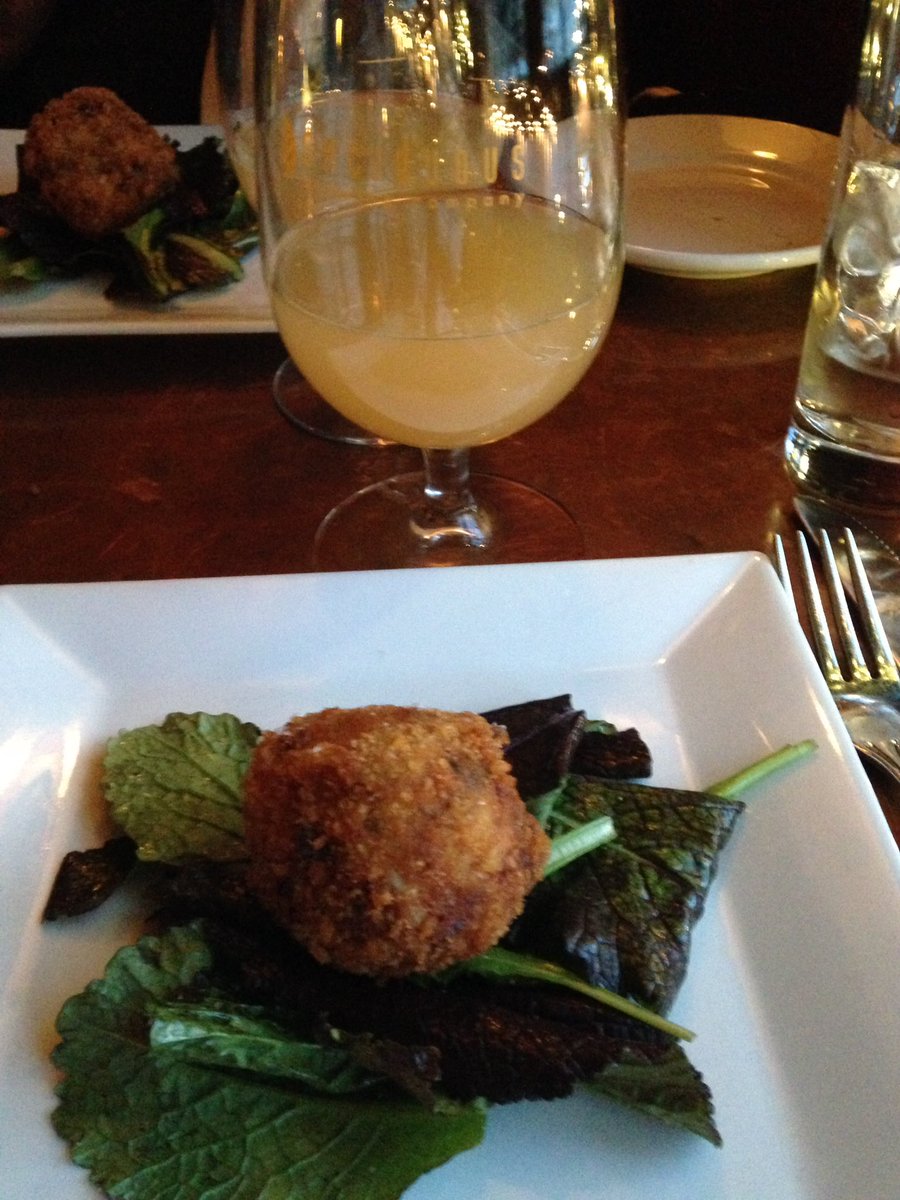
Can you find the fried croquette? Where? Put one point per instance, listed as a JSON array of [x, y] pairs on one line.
[[96, 162], [390, 840]]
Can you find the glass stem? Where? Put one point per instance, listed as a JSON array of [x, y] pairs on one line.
[[449, 511]]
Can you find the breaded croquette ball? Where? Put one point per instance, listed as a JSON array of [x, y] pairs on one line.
[[96, 163], [390, 840]]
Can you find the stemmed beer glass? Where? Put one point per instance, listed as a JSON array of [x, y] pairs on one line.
[[440, 188]]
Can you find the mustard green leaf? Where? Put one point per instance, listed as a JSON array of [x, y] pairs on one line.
[[148, 1123], [176, 788]]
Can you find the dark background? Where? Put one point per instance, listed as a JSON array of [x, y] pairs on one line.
[[782, 60], [150, 52], [788, 60]]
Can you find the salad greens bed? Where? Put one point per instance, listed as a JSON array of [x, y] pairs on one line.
[[216, 1059], [193, 238]]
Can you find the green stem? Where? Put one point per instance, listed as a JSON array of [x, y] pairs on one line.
[[734, 785], [499, 963], [566, 847]]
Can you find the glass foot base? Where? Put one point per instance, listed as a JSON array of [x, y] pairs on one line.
[[388, 525], [841, 473], [305, 409]]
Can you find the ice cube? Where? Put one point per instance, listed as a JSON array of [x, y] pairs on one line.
[[866, 233], [866, 245]]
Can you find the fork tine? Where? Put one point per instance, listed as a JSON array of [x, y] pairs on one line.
[[859, 671], [884, 658], [781, 568], [831, 668]]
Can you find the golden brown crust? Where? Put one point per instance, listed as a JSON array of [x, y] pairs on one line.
[[96, 162], [390, 840]]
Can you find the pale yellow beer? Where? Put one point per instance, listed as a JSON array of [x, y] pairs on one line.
[[445, 320]]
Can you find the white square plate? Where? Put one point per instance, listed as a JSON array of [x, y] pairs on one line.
[[79, 307], [794, 984]]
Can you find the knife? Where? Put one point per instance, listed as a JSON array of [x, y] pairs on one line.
[[881, 561]]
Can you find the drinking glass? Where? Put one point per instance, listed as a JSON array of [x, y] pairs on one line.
[[234, 28], [440, 200], [843, 441]]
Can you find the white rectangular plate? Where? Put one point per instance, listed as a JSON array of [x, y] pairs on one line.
[[795, 974], [79, 307]]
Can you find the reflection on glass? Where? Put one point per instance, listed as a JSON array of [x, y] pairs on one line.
[[235, 26]]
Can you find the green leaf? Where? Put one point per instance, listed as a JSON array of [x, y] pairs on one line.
[[176, 788], [622, 916], [671, 1090], [150, 271], [241, 1038], [198, 262], [240, 222], [146, 1124], [17, 264]]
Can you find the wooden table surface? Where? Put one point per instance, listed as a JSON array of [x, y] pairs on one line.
[[164, 457]]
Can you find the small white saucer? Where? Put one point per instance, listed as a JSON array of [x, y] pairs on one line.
[[722, 197]]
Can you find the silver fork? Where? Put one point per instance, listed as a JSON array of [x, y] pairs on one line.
[[868, 701]]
